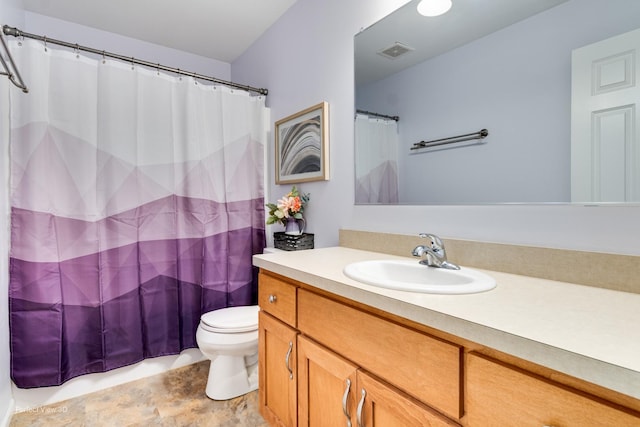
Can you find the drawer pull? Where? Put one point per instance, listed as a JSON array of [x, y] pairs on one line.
[[360, 406], [287, 360], [272, 298], [345, 400]]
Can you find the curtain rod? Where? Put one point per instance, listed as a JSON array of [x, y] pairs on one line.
[[384, 116], [12, 31], [14, 76]]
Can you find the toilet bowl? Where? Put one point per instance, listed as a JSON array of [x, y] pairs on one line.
[[229, 338]]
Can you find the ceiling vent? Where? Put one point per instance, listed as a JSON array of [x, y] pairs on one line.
[[395, 50]]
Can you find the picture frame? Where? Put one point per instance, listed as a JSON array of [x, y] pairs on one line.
[[302, 146]]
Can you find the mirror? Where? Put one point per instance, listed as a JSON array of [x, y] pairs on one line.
[[500, 65]]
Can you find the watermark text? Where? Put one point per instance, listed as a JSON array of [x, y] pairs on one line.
[[43, 410]]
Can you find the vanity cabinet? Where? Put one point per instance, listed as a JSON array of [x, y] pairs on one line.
[[327, 360], [319, 356]]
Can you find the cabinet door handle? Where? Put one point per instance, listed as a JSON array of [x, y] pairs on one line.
[[360, 406], [287, 360], [272, 298], [345, 400]]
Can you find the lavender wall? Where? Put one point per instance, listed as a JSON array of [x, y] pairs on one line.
[[307, 56], [103, 40]]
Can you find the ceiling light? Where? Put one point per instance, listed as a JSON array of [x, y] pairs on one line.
[[434, 7]]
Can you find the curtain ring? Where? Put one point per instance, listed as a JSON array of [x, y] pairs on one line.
[[77, 49], [104, 60], [45, 43], [132, 61], [179, 73], [158, 69]]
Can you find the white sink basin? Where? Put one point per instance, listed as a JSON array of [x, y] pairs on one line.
[[409, 275]]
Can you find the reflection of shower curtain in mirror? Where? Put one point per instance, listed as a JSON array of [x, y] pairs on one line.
[[376, 145], [136, 204]]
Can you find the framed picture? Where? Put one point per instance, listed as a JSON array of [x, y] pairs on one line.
[[302, 147]]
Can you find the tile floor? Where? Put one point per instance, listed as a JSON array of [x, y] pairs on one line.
[[175, 398]]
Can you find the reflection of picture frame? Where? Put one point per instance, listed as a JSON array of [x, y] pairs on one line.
[[302, 148]]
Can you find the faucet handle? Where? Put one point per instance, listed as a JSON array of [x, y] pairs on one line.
[[436, 243], [436, 256]]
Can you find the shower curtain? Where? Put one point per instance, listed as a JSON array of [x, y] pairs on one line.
[[376, 144], [136, 205]]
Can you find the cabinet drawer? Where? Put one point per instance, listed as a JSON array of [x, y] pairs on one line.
[[498, 394], [277, 298], [425, 367]]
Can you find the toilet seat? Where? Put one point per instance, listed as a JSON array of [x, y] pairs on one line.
[[231, 320]]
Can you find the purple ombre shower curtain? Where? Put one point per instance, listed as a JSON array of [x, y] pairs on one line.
[[136, 205]]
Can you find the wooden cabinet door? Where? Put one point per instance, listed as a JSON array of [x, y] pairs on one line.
[[380, 405], [277, 371], [503, 395], [326, 387]]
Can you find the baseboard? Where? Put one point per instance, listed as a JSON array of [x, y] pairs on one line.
[[6, 418]]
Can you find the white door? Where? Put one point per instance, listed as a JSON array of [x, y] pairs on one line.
[[605, 121]]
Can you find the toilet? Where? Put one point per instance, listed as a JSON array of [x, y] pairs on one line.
[[229, 338]]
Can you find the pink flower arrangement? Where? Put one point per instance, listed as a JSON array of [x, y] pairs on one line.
[[291, 205]]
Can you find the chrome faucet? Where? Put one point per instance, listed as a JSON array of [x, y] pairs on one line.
[[435, 255]]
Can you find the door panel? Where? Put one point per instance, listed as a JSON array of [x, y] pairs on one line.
[[326, 386], [278, 379], [605, 126]]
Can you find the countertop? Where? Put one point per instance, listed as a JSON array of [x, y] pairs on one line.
[[587, 332]]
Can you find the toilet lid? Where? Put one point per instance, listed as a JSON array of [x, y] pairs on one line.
[[232, 319]]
